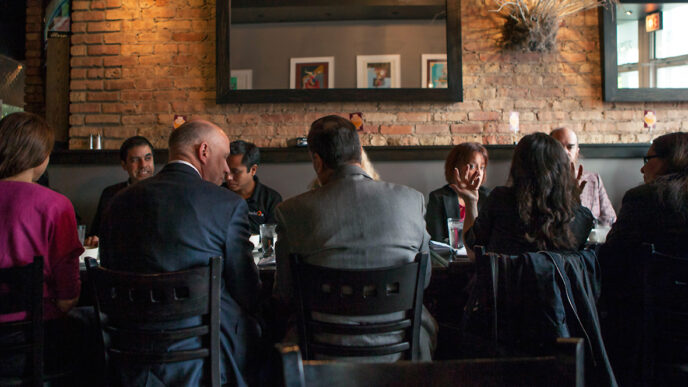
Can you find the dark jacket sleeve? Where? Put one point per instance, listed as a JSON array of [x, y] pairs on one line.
[[479, 234], [240, 272], [95, 225], [276, 199], [435, 219]]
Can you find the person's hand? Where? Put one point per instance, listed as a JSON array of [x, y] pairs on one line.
[[579, 175], [91, 241], [466, 184]]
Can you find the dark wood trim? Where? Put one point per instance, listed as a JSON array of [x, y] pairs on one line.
[[610, 91], [454, 92], [376, 153]]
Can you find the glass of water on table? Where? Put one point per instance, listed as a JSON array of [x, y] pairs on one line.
[[455, 229], [268, 237]]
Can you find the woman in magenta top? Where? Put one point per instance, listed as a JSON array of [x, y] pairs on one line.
[[35, 219]]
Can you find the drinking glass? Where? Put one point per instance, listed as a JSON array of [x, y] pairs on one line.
[[268, 237], [455, 228], [81, 230]]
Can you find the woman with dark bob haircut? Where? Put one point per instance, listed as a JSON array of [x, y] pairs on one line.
[[37, 221], [444, 202], [538, 210], [655, 212]]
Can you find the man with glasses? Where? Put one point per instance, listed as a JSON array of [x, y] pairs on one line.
[[594, 196]]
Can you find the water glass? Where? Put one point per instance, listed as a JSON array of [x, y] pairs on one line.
[[268, 238], [455, 228], [81, 230]]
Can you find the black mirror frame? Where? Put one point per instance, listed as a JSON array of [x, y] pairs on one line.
[[610, 90], [224, 94]]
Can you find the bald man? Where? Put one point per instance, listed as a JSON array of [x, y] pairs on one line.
[[594, 196], [176, 220]]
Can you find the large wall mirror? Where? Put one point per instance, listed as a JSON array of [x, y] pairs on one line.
[[333, 50], [645, 51]]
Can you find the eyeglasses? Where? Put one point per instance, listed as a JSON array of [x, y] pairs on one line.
[[647, 158]]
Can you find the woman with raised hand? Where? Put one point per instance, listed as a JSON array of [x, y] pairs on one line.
[[444, 203], [539, 209]]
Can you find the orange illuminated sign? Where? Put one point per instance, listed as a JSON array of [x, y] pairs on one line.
[[653, 22]]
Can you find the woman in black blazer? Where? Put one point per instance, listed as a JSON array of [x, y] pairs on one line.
[[444, 202]]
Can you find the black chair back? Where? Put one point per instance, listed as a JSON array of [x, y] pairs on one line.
[[125, 299], [564, 367], [665, 319], [21, 290], [359, 292]]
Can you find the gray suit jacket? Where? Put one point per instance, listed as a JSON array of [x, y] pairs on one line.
[[353, 222]]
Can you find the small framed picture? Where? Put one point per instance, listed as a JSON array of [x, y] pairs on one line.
[[434, 71], [378, 71], [312, 73], [241, 79]]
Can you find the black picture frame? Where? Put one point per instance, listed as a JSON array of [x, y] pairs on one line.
[[453, 93], [610, 90]]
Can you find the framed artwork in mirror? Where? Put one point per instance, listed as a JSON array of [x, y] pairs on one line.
[[433, 71], [241, 79], [378, 71], [263, 35], [311, 73], [644, 54]]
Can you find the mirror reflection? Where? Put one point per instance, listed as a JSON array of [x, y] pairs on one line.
[[316, 47], [652, 49]]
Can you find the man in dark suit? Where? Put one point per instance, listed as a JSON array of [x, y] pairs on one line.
[[136, 157], [179, 219]]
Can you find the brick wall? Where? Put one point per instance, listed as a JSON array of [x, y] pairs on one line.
[[135, 64], [34, 96]]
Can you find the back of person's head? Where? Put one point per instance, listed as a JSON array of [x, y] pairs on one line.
[[26, 140], [673, 184], [191, 133], [547, 193], [250, 152], [673, 149], [335, 140], [132, 142], [461, 155]]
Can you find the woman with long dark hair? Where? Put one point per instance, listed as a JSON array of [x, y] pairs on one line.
[[539, 209]]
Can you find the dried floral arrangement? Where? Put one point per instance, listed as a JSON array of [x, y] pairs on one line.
[[533, 24]]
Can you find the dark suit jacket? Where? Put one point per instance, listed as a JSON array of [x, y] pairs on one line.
[[103, 203], [642, 219], [174, 221], [442, 204]]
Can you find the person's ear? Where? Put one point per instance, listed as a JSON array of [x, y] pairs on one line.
[[124, 165], [317, 163], [252, 171], [203, 152]]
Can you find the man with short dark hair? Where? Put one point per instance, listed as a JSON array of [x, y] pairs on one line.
[[177, 220], [243, 164], [351, 221], [136, 157]]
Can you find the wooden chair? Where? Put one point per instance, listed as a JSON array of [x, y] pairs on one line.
[[665, 319], [126, 299], [21, 290], [359, 292], [563, 368]]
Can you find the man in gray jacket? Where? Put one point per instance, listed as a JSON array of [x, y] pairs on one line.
[[351, 221]]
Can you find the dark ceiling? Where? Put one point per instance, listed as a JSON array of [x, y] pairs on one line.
[[13, 28]]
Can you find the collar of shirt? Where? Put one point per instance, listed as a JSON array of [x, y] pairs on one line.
[[186, 163]]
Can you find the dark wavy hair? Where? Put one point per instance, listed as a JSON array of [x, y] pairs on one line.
[[546, 191], [460, 155], [673, 184], [335, 140], [26, 140]]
